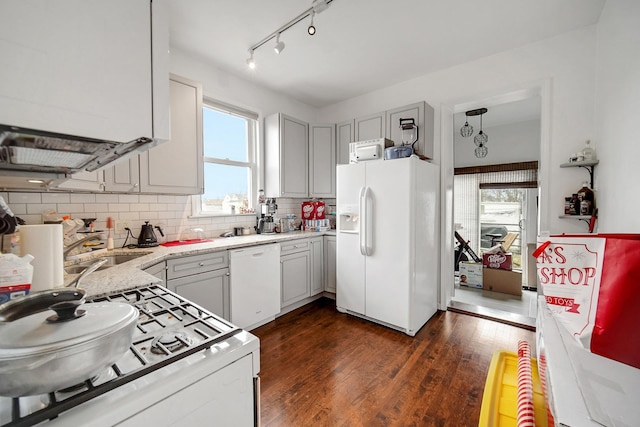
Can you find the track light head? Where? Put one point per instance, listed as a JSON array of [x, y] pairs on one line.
[[311, 29], [251, 62], [279, 47]]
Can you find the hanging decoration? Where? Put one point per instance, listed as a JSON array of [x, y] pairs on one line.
[[481, 138]]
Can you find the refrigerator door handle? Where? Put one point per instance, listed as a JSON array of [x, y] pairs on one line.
[[368, 222], [361, 220]]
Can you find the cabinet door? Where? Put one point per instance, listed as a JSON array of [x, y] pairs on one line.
[[322, 160], [344, 136], [83, 68], [209, 290], [317, 265], [86, 181], [176, 166], [330, 264], [158, 270], [422, 114], [295, 273], [370, 127], [286, 156], [123, 176]]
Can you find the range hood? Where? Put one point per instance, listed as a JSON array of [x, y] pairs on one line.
[[29, 150]]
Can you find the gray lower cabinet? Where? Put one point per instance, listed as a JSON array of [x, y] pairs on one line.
[[159, 270], [317, 265], [203, 279], [330, 264], [301, 269], [295, 271]]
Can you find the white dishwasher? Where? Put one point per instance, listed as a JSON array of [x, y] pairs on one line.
[[255, 285]]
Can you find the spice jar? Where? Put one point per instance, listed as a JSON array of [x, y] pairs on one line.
[[567, 205]]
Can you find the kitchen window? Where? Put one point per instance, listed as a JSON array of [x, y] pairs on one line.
[[230, 167]]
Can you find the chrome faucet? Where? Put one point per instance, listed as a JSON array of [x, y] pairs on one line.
[[73, 245]]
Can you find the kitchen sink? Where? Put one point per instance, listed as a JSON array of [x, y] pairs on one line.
[[112, 260]]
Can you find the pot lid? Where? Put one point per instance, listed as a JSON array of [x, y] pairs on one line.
[[34, 334]]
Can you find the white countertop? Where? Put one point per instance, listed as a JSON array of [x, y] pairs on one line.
[[130, 275]]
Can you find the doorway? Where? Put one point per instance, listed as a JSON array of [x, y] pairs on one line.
[[497, 196]]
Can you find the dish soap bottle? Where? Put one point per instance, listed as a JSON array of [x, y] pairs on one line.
[[588, 152]]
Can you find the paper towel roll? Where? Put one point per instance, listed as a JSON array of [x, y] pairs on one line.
[[44, 242]]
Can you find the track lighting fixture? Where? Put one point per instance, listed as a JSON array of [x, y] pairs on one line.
[[317, 6], [250, 62], [279, 47], [311, 29]]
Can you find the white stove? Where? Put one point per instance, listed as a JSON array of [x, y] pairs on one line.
[[186, 366]]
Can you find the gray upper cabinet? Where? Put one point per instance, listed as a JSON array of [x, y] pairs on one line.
[[370, 127], [286, 156], [344, 136], [71, 75], [322, 160], [422, 113], [123, 176], [176, 167]]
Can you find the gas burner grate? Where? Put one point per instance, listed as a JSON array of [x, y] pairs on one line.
[[161, 312]]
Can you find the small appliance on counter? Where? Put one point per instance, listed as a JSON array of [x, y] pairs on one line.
[[147, 238], [264, 220]]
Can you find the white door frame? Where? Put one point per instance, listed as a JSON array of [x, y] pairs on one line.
[[540, 88]]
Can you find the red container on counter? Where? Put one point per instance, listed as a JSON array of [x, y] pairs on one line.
[[313, 210]]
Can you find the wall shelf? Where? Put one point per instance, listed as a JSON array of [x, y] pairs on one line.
[[587, 164], [585, 218]]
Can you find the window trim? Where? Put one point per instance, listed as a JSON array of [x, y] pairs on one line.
[[252, 156]]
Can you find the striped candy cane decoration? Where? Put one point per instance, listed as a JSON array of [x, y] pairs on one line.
[[542, 371], [525, 387]]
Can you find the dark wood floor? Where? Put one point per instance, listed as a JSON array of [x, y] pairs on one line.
[[320, 367]]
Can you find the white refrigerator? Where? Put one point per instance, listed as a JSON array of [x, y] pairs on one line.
[[388, 252]]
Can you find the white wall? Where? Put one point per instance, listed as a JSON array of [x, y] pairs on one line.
[[238, 90], [566, 61], [617, 114], [514, 142]]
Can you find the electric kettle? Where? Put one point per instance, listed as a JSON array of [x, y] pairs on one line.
[[147, 238]]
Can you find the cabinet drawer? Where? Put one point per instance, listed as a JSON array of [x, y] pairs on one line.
[[294, 246], [187, 266]]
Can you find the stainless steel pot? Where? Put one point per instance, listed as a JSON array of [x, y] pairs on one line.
[[46, 351]]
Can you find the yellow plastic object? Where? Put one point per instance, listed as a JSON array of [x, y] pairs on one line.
[[500, 398]]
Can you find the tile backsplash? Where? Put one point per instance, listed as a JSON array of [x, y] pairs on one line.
[[172, 213]]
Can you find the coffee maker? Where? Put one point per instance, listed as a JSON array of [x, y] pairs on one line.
[[264, 220]]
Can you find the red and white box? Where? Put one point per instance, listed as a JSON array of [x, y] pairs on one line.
[[502, 261], [8, 293], [313, 210]]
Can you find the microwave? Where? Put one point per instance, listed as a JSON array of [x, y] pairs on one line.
[[371, 149]]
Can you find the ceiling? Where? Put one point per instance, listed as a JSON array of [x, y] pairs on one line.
[[363, 45]]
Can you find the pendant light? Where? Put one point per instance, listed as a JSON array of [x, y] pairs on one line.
[[481, 138], [481, 151], [466, 130]]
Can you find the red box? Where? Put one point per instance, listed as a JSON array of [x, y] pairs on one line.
[[308, 211], [500, 261], [313, 210], [320, 213]]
